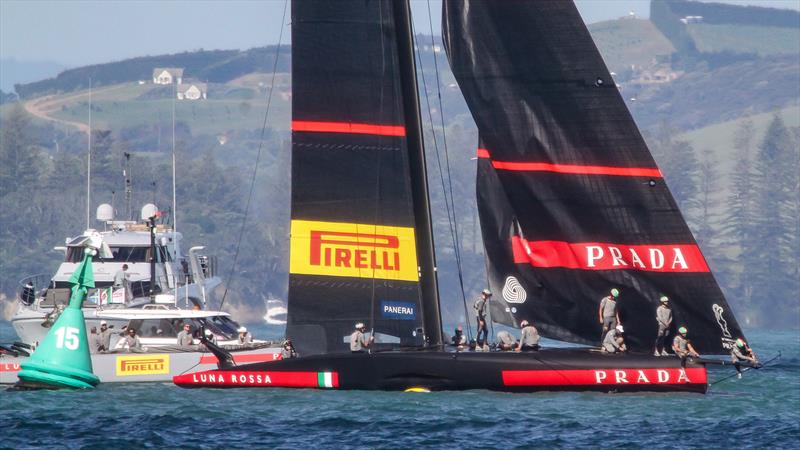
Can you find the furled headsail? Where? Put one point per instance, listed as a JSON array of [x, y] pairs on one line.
[[355, 252], [570, 199]]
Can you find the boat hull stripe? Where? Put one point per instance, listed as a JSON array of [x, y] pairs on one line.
[[598, 377], [347, 127], [239, 378], [571, 168]]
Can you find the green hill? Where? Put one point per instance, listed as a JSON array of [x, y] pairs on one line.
[[626, 42]]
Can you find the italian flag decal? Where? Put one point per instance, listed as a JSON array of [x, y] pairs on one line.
[[325, 380]]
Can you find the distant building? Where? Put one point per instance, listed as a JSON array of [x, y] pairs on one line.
[[691, 19], [192, 91], [167, 75]]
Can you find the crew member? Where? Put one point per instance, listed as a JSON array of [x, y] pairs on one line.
[[94, 341], [122, 281], [480, 316], [288, 352], [614, 341], [742, 352], [608, 314], [132, 342], [505, 341], [244, 336], [458, 339], [529, 337], [185, 336], [683, 347], [357, 342], [104, 337], [28, 294], [664, 319]]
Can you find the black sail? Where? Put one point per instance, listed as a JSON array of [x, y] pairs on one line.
[[570, 199], [354, 248]]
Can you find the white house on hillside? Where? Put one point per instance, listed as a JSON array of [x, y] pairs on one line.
[[192, 91], [167, 75]]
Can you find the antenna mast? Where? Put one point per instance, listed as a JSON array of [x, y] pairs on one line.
[[89, 163], [128, 186]]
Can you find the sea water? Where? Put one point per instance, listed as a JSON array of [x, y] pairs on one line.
[[760, 410]]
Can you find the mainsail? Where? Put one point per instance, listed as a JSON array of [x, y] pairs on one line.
[[570, 199], [360, 233]]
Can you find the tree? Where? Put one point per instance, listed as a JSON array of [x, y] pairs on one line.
[[738, 230], [775, 227], [19, 159], [678, 162]]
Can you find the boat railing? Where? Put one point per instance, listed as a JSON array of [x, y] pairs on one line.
[[31, 287]]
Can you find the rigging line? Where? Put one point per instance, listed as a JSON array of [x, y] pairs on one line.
[[454, 222], [258, 157], [450, 217], [377, 143], [457, 243]]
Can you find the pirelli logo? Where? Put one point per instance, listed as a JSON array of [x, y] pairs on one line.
[[142, 365], [353, 250]]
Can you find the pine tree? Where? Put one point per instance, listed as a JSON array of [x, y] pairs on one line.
[[678, 162], [776, 181], [738, 232]]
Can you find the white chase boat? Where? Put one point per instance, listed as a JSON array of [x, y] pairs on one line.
[[159, 356], [176, 279]]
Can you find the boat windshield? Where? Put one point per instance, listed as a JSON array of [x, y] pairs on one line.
[[126, 254], [222, 326]]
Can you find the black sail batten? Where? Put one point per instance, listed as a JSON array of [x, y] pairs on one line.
[[570, 199], [354, 245]]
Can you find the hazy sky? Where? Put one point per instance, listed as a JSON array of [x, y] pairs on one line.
[[79, 32]]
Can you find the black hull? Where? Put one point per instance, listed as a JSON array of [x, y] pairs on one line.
[[547, 370]]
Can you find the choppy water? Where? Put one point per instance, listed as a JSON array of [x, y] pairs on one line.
[[761, 410]]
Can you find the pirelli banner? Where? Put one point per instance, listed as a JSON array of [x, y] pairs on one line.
[[353, 250]]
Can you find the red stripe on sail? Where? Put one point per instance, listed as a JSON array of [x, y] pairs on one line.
[[348, 127], [605, 256], [599, 377], [571, 168]]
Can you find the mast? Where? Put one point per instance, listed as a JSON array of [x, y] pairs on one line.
[[432, 318]]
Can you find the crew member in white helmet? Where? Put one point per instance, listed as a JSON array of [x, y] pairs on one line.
[[614, 341], [357, 342], [244, 336]]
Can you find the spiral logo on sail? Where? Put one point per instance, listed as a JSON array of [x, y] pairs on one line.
[[513, 292]]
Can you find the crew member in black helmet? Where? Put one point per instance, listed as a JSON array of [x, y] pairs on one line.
[[480, 316], [288, 352]]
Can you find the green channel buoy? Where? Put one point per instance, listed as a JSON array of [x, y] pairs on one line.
[[63, 359]]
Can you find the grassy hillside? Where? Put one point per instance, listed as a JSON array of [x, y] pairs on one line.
[[763, 41], [626, 42]]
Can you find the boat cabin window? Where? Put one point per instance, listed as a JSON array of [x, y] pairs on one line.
[[156, 328], [126, 254]]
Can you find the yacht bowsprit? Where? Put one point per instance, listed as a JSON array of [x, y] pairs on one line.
[[571, 204]]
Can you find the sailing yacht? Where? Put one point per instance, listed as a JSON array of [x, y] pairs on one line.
[[570, 199]]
